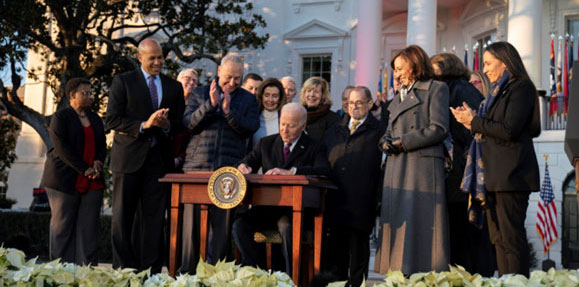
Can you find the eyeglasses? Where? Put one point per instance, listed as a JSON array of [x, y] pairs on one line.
[[475, 82], [357, 104]]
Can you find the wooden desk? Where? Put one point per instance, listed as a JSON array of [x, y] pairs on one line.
[[297, 191]]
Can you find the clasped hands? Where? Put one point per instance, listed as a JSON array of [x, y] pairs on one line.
[[244, 169], [160, 118], [95, 170], [216, 97], [391, 145], [463, 115]]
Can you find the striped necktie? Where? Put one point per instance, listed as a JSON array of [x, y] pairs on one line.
[[354, 125]]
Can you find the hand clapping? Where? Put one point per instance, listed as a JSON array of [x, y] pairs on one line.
[[160, 118], [463, 115]]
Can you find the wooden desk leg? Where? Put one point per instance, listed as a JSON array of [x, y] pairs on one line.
[[204, 225], [175, 228], [318, 228], [296, 233]]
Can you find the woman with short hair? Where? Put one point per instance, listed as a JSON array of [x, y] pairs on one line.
[[315, 97], [270, 98], [73, 176]]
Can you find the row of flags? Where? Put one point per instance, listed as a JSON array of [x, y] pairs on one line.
[[561, 74]]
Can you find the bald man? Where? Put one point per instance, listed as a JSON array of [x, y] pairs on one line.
[[144, 109]]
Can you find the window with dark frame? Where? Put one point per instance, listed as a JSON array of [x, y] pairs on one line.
[[317, 66]]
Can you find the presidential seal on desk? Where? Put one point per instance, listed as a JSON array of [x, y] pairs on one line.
[[226, 187]]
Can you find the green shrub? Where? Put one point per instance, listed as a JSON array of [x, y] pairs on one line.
[[28, 231]]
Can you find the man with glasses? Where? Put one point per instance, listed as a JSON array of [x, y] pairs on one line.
[[355, 168]]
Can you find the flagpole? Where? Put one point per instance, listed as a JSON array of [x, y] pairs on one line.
[[547, 263]]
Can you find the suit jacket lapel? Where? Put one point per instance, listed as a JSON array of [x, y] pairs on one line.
[[301, 145], [397, 107], [164, 87], [277, 151], [142, 82]]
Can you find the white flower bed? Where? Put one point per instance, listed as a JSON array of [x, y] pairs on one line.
[[16, 271]]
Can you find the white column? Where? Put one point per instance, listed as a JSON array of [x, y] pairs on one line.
[[421, 28], [368, 44], [524, 32]]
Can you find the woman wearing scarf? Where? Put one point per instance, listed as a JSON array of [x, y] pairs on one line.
[[469, 246], [414, 217], [502, 167], [315, 97]]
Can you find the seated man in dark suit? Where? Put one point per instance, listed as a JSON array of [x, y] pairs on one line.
[[288, 153]]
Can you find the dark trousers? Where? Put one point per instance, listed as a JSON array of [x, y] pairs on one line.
[[259, 219], [470, 247], [190, 239], [74, 225], [506, 219], [349, 247], [139, 204], [219, 239]]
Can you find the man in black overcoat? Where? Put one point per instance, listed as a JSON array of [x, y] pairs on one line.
[[355, 168]]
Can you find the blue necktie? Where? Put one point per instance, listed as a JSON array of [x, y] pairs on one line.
[[153, 92]]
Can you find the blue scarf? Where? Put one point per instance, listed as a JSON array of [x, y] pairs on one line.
[[473, 181]]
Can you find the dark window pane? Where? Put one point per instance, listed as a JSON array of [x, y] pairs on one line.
[[316, 64], [327, 64]]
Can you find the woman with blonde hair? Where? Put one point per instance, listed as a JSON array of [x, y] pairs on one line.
[[481, 82], [315, 97]]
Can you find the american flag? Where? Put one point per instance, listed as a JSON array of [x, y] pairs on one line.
[[547, 214]]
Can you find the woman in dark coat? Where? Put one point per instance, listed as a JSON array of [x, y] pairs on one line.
[[315, 97], [355, 161], [414, 216], [506, 169], [73, 177], [469, 246]]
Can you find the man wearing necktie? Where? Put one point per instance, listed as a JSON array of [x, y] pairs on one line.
[[355, 161], [288, 153], [144, 110]]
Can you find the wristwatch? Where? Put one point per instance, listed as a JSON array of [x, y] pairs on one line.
[[293, 170]]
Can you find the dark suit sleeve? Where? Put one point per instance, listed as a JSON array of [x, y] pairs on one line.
[[116, 118], [437, 128], [519, 107], [244, 124], [321, 166], [63, 145], [196, 110], [253, 158], [177, 108]]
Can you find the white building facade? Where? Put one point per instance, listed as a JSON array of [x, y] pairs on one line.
[[348, 42]]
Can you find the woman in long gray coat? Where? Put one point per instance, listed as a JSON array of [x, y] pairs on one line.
[[414, 218]]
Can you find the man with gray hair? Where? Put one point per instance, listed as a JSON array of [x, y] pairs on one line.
[[288, 153], [289, 86], [221, 117]]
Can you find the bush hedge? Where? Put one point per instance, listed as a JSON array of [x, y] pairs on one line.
[[28, 231]]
